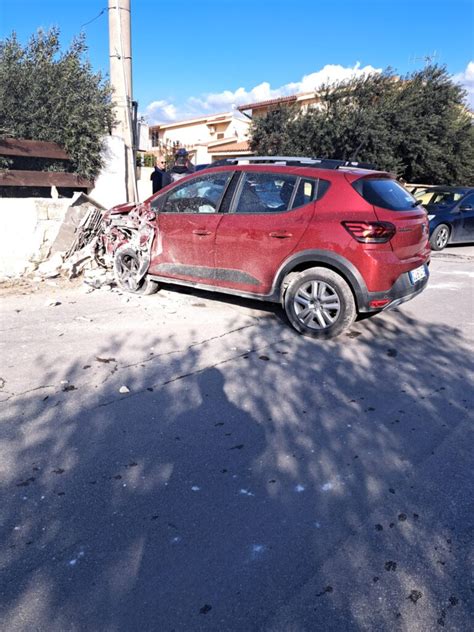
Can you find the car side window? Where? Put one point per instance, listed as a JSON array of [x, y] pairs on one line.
[[265, 193], [468, 201], [199, 195], [309, 190]]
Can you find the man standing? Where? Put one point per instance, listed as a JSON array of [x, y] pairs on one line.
[[159, 177], [182, 165]]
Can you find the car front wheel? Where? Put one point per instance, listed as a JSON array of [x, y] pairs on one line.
[[127, 263], [319, 303], [440, 237]]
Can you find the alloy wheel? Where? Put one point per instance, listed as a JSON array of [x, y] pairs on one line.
[[442, 237], [317, 304], [127, 267]]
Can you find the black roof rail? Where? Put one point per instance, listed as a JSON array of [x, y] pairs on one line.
[[293, 161]]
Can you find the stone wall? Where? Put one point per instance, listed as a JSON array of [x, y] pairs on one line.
[[28, 227]]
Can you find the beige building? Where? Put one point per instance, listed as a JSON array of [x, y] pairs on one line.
[[200, 136], [218, 136], [303, 101]]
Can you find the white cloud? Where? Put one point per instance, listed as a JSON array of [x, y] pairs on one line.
[[163, 111], [466, 79]]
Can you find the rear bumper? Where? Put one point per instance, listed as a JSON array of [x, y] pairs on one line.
[[402, 290]]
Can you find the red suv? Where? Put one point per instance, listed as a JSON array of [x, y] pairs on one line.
[[325, 238]]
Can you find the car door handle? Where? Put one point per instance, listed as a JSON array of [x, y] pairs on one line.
[[281, 234], [201, 232]]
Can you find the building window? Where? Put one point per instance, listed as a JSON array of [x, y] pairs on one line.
[[220, 135], [155, 138]]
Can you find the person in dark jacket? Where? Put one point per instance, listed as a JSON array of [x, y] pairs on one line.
[[182, 165], [159, 177]]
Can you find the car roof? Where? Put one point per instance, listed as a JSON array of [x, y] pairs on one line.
[[350, 173], [450, 189]]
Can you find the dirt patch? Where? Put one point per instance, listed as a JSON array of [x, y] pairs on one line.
[[25, 285]]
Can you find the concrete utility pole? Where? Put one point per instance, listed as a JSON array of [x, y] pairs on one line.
[[120, 48]]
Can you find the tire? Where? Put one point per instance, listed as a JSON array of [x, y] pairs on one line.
[[126, 265], [440, 237], [319, 303]]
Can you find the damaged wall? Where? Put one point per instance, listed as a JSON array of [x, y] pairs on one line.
[[28, 227]]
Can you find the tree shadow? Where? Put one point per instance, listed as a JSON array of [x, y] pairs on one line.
[[265, 490]]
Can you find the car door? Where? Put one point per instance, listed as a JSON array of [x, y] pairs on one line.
[[465, 210], [261, 228], [187, 221]]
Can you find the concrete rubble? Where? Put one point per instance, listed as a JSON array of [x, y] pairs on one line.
[[74, 251]]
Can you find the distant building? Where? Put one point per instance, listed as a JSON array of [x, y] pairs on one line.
[[303, 101], [201, 136]]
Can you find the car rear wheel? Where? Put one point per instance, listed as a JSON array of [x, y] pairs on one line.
[[440, 237], [319, 303], [127, 263]]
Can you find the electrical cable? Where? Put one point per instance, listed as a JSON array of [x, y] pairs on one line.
[[94, 19]]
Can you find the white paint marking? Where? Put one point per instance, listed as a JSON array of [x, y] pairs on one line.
[[444, 286], [458, 272]]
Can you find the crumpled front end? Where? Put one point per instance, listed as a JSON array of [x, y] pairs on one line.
[[124, 228]]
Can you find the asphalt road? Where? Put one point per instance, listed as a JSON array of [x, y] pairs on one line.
[[250, 478]]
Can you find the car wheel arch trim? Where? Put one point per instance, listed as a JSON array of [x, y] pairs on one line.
[[331, 260]]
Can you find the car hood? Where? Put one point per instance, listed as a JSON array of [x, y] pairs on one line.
[[122, 208]]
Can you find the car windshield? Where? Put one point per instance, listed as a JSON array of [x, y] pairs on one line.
[[445, 198], [423, 195]]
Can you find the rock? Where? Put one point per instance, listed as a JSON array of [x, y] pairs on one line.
[[51, 268], [124, 389]]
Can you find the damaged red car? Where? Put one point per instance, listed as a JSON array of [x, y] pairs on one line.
[[327, 239]]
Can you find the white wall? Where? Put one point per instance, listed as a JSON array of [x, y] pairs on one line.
[[187, 134], [28, 227], [109, 188], [144, 184]]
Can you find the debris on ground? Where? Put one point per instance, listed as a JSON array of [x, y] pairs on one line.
[[74, 251], [91, 238]]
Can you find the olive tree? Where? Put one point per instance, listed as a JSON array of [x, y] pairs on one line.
[[53, 95]]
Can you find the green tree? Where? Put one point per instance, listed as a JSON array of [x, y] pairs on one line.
[[417, 126], [50, 95]]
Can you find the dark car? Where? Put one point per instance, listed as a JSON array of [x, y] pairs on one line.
[[450, 213], [326, 239]]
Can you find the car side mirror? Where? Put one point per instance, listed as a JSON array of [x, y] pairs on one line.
[[466, 207]]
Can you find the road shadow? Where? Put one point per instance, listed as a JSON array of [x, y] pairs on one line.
[[263, 492]]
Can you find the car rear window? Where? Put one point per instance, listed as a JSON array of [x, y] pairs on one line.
[[386, 193], [310, 190]]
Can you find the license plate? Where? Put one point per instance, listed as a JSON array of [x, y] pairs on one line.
[[418, 274]]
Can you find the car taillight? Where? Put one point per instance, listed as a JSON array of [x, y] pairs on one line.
[[370, 232]]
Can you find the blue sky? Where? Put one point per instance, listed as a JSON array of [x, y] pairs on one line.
[[198, 56]]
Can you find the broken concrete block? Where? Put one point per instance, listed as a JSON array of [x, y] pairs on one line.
[[51, 268]]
